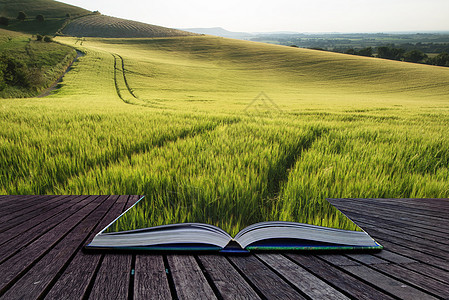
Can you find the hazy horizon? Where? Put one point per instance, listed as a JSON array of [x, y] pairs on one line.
[[319, 16]]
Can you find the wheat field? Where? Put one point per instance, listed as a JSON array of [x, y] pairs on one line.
[[230, 132]]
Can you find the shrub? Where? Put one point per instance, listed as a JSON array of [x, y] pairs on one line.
[[21, 16], [14, 71], [39, 38], [67, 15], [48, 39], [4, 21], [40, 18]]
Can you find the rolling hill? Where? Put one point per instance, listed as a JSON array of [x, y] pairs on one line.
[[47, 8], [70, 20], [111, 27]]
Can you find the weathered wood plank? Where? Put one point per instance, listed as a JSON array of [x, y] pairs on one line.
[[35, 282], [17, 202], [394, 257], [392, 208], [409, 241], [428, 271], [347, 284], [264, 280], [411, 235], [368, 259], [338, 260], [434, 287], [388, 284], [17, 215], [32, 222], [21, 262], [396, 214], [228, 281], [430, 205], [306, 282], [414, 254], [188, 278], [14, 244], [74, 281], [407, 228], [40, 220], [150, 278], [411, 264], [113, 278], [27, 205], [377, 217]]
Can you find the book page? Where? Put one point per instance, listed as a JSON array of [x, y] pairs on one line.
[[242, 174]]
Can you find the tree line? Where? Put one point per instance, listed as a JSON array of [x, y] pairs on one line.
[[22, 16], [400, 54]]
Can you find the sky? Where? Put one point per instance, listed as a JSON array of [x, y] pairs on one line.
[[282, 15]]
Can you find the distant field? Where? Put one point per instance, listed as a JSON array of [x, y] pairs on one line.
[[177, 119]]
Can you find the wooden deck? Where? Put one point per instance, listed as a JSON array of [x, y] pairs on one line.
[[41, 238]]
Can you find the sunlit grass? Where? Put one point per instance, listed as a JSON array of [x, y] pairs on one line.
[[337, 126]]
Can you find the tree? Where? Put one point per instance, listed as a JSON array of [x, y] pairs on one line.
[[388, 52], [441, 59], [368, 51], [48, 39], [39, 37], [414, 56], [4, 21], [14, 70], [21, 16], [350, 51], [67, 15], [40, 18]]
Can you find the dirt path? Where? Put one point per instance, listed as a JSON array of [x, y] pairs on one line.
[[54, 86]]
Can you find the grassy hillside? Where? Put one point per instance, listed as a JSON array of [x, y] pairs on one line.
[[208, 73], [28, 66], [110, 27], [47, 8], [178, 119], [56, 15], [74, 21]]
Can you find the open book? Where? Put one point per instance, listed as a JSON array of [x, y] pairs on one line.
[[130, 232]]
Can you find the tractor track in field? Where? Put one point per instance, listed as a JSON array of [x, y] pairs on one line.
[[129, 97], [124, 78], [114, 157]]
